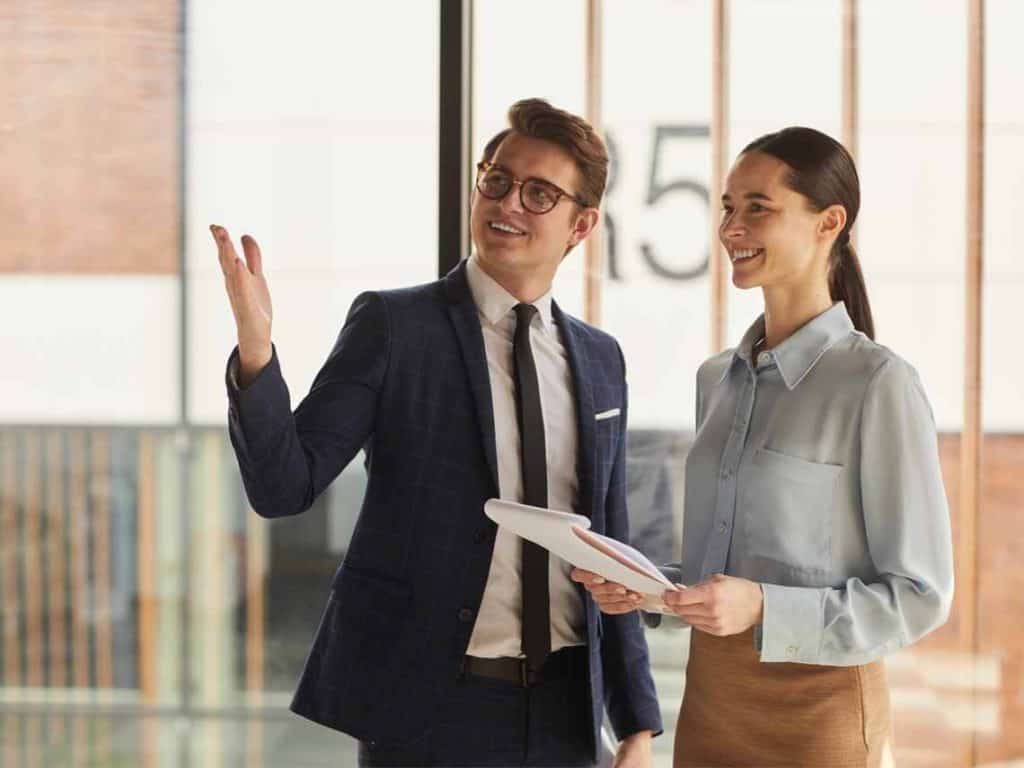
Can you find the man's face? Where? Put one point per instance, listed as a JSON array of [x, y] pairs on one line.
[[511, 240]]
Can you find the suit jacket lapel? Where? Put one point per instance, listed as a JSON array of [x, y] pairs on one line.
[[579, 363], [466, 322]]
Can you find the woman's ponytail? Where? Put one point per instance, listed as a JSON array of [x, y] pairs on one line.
[[846, 284]]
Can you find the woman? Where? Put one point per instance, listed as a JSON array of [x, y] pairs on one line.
[[816, 536]]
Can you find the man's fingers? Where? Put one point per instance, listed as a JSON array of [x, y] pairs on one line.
[[598, 586], [618, 603], [253, 257], [611, 589], [225, 249], [616, 598], [616, 609], [585, 577]]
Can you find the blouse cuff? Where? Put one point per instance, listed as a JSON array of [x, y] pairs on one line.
[[793, 623]]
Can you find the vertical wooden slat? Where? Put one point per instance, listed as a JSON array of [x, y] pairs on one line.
[[213, 628], [10, 610], [146, 555], [9, 546], [255, 601], [719, 148], [103, 752], [32, 561], [207, 750], [970, 456], [10, 743], [56, 572], [100, 496], [254, 742], [851, 84], [149, 735], [455, 167], [211, 570], [593, 246], [33, 757], [56, 564], [56, 731], [851, 96], [79, 741], [171, 502], [78, 527]]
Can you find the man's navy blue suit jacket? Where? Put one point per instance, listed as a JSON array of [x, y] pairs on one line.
[[408, 380]]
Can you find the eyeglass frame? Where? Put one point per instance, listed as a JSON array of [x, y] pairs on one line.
[[485, 165]]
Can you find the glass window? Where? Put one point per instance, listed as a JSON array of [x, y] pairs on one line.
[[998, 575], [132, 572], [527, 49]]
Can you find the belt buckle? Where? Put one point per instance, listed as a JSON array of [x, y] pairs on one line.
[[527, 676]]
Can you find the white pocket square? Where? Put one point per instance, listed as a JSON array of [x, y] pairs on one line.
[[607, 414]]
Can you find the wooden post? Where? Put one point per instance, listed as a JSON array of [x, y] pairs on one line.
[[719, 148]]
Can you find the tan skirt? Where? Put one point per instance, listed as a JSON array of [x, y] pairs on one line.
[[738, 711]]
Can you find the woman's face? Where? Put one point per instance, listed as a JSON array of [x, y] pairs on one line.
[[772, 235]]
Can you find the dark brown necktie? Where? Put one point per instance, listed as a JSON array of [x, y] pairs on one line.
[[536, 601]]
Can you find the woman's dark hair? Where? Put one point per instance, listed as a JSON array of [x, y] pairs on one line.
[[822, 170]]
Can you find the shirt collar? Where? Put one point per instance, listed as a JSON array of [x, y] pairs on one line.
[[494, 302], [797, 355]]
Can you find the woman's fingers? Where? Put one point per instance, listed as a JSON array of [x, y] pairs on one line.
[[692, 596], [709, 629], [691, 615]]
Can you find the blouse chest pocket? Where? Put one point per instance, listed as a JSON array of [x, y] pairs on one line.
[[787, 510]]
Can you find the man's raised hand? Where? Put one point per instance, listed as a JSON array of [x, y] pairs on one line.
[[249, 294]]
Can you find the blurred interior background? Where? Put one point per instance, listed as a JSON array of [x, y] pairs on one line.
[[147, 617]]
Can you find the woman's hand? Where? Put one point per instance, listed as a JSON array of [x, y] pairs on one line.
[[610, 597], [722, 605]]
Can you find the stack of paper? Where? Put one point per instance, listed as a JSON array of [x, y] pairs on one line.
[[568, 536]]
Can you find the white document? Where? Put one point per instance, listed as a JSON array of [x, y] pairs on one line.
[[569, 537]]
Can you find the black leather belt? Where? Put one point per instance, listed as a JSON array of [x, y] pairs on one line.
[[557, 665]]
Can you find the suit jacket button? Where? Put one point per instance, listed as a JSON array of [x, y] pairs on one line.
[[466, 615], [481, 536]]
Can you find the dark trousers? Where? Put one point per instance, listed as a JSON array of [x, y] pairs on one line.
[[486, 722]]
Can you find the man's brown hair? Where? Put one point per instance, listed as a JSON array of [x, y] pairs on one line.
[[537, 119]]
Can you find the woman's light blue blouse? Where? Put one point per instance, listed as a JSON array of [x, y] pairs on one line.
[[815, 472]]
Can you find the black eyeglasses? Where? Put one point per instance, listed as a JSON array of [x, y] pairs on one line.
[[536, 195]]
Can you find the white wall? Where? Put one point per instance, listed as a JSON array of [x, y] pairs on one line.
[[89, 350], [313, 127]]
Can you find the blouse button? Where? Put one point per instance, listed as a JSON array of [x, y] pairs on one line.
[[723, 527]]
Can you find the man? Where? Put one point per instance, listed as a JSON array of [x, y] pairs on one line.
[[447, 641]]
